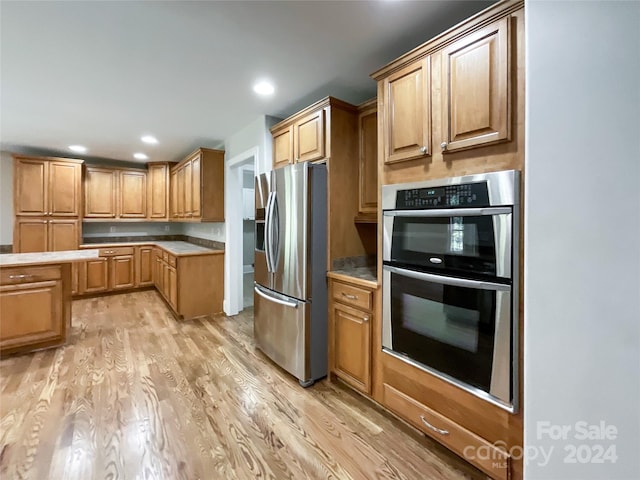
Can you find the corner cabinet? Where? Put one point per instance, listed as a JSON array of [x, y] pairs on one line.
[[158, 191], [351, 309], [197, 187]]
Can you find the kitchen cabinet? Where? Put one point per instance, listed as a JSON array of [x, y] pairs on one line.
[[112, 193], [173, 194], [145, 266], [476, 79], [122, 274], [33, 234], [406, 97], [94, 276], [197, 187], [158, 191], [351, 308], [133, 194], [368, 160], [283, 146], [47, 187], [101, 191], [35, 308], [301, 138]]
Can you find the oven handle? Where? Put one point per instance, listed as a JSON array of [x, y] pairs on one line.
[[456, 282], [448, 212]]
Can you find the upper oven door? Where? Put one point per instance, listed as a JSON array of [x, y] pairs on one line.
[[464, 240]]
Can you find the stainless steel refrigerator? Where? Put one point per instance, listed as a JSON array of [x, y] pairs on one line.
[[290, 292]]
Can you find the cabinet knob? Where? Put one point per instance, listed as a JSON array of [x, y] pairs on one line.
[[443, 145], [423, 150], [365, 318]]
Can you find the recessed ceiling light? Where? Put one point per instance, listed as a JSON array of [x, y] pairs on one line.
[[149, 139], [77, 148], [140, 156], [264, 88]]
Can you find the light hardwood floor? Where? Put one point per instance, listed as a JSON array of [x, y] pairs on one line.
[[139, 395]]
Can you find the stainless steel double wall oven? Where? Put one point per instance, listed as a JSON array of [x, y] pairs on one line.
[[450, 280]]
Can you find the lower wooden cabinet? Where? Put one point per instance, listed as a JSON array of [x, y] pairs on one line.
[[122, 272], [351, 309], [144, 266], [94, 277], [35, 309]]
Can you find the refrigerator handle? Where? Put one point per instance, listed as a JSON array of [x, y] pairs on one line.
[[268, 297], [275, 232], [267, 233]]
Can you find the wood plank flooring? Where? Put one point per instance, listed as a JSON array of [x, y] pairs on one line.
[[139, 395]]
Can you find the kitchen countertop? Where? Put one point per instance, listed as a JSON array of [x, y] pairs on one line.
[[177, 248], [363, 275], [43, 258]]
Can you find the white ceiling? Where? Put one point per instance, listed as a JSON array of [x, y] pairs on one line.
[[101, 74]]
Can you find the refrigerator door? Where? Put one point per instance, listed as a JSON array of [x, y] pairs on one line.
[[289, 215], [281, 329], [262, 191]]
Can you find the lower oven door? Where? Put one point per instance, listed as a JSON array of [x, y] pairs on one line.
[[458, 329]]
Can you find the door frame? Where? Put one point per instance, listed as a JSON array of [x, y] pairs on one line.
[[233, 264]]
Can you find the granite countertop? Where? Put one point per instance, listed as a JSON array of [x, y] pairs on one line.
[[43, 258], [366, 273], [178, 248]]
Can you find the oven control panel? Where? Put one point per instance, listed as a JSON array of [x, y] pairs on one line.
[[449, 196]]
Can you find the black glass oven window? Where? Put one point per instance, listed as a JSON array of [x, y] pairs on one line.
[[462, 243], [450, 329]]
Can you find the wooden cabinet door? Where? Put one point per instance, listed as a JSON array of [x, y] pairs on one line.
[[166, 285], [64, 189], [407, 112], [30, 182], [122, 273], [180, 192], [30, 235], [352, 346], [158, 271], [64, 234], [100, 189], [157, 192], [146, 264], [172, 294], [95, 276], [31, 313], [173, 189], [309, 137], [368, 129], [283, 147], [196, 195], [75, 278], [133, 194], [188, 190], [477, 95]]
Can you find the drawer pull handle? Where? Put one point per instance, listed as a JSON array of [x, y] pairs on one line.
[[350, 297], [20, 277], [435, 429]]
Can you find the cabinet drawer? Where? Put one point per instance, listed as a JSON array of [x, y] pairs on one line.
[[110, 252], [457, 438], [11, 276], [173, 261], [351, 295]]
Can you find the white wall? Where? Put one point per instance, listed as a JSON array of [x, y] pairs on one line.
[[6, 198], [582, 227], [255, 134], [208, 231]]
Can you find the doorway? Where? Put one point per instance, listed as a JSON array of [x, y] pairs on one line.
[[240, 237]]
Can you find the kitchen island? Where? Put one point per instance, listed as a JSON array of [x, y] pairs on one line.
[[35, 299]]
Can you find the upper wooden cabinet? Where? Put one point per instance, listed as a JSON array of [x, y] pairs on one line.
[[100, 192], [406, 97], [305, 136], [112, 193], [283, 146], [476, 79], [158, 191], [197, 187], [368, 157], [47, 187], [133, 194]]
